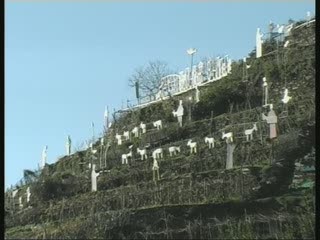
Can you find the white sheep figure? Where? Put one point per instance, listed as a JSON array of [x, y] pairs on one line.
[[143, 126], [193, 146], [135, 131], [124, 157], [174, 150], [249, 132], [126, 135], [228, 136], [158, 124], [210, 141], [157, 154], [143, 153], [119, 138]]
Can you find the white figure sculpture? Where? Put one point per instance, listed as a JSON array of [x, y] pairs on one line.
[[228, 136], [174, 150], [124, 157], [259, 42], [197, 98], [20, 202], [272, 120], [157, 154], [44, 157], [265, 91], [210, 141], [126, 135], [193, 146], [158, 124], [28, 193], [249, 132], [286, 97], [155, 170], [143, 153], [179, 113], [143, 126], [119, 138], [94, 176], [68, 145], [135, 131]]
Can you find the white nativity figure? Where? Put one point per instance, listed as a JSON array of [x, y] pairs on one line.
[[179, 113], [124, 157], [143, 153], [135, 131], [44, 157], [94, 176], [249, 132], [143, 126], [68, 145], [126, 135], [174, 150], [158, 153], [210, 141], [272, 120], [119, 138], [286, 97], [28, 193], [155, 170], [158, 124], [228, 136], [193, 146], [259, 42], [265, 91]]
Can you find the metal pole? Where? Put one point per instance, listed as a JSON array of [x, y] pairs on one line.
[[190, 80]]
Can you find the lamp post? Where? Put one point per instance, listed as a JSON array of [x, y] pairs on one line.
[[191, 51]]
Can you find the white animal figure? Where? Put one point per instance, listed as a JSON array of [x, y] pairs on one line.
[[126, 135], [286, 97], [228, 136], [157, 154], [124, 157], [249, 132], [135, 131], [143, 153], [158, 124], [210, 141], [193, 146], [173, 150], [143, 126], [119, 138]]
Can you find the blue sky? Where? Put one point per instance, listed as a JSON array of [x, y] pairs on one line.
[[64, 61]]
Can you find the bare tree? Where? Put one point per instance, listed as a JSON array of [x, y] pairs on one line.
[[149, 77]]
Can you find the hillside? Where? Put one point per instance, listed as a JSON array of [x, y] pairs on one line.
[[266, 193]]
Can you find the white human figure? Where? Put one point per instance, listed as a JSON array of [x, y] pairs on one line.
[[265, 91], [193, 146], [68, 145], [94, 176], [179, 113], [143, 153], [158, 153], [286, 97], [143, 126], [119, 138], [259, 42], [272, 120], [249, 132], [228, 136], [158, 124], [197, 98], [174, 150], [28, 193], [155, 170], [210, 141], [20, 202], [44, 157], [135, 131], [126, 135]]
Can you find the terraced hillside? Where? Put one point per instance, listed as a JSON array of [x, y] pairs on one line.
[[267, 193]]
